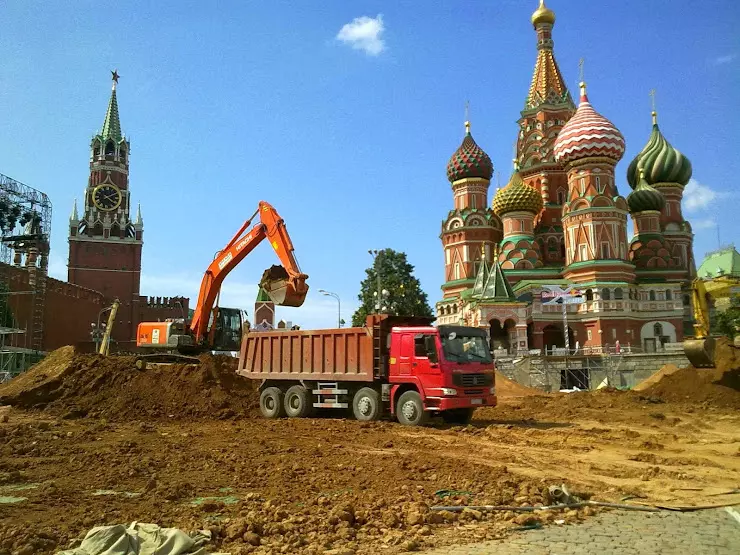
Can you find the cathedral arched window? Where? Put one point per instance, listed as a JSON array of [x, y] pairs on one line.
[[110, 148], [589, 295], [606, 295], [96, 149], [658, 330], [652, 295], [686, 300], [561, 196], [618, 295], [668, 295]]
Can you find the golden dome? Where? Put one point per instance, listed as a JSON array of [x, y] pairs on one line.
[[543, 14], [517, 196]]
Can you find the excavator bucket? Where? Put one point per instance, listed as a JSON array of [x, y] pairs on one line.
[[700, 352], [283, 289]]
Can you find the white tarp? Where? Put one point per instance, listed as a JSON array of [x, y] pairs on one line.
[[141, 539]]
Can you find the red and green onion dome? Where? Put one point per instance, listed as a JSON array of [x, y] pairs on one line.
[[469, 160], [645, 197], [661, 162], [517, 196], [588, 134]]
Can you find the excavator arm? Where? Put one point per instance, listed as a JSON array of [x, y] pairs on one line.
[[286, 284], [700, 350]]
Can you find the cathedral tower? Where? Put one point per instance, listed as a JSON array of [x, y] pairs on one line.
[[547, 108], [104, 241], [471, 229], [667, 170], [594, 215]]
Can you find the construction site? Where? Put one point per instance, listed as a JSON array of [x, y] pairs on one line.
[[89, 440]]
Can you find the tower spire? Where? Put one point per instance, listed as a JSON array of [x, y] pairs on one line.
[[467, 117], [112, 124], [582, 81], [548, 85], [75, 216], [654, 112]]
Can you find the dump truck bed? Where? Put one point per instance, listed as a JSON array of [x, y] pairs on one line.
[[336, 354], [341, 354]]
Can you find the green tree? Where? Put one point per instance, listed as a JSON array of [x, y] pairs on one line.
[[728, 322], [401, 293]]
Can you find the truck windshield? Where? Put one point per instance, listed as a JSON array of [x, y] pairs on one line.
[[465, 348]]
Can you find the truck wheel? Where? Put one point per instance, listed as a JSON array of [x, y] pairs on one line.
[[410, 410], [457, 416], [366, 404], [271, 403], [298, 402]]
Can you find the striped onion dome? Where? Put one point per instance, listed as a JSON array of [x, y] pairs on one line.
[[469, 160], [662, 163], [517, 196], [588, 134], [645, 197]]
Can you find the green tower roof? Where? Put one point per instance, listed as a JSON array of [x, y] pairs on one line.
[[112, 124], [263, 297], [492, 285]]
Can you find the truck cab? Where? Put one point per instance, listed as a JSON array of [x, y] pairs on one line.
[[445, 369]]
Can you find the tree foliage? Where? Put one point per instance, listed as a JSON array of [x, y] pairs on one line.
[[728, 322], [404, 298]]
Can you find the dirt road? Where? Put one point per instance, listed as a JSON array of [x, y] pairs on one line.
[[340, 486]]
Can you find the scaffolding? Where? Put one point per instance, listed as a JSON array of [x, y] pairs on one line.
[[25, 234]]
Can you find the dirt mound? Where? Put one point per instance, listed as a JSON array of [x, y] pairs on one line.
[[509, 388], [112, 387], [667, 370], [719, 386]]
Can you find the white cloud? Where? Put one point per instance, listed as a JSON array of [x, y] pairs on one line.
[[726, 59], [363, 33], [697, 196], [703, 224]]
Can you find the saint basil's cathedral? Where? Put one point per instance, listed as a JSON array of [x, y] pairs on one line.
[[561, 221]]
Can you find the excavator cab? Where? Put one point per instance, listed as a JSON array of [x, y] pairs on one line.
[[282, 288], [227, 335]]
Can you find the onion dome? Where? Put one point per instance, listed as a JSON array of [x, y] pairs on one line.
[[662, 163], [543, 15], [517, 196], [469, 160], [645, 197], [588, 134]]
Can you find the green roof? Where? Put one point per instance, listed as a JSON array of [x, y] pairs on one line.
[[492, 285], [722, 262], [112, 124]]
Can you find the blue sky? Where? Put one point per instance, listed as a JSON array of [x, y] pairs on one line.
[[227, 103]]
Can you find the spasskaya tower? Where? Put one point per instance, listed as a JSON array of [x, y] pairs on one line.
[[104, 241]]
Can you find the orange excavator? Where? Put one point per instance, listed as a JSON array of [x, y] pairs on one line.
[[217, 328]]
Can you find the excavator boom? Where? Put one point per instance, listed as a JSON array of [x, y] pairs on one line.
[[700, 350], [286, 284]]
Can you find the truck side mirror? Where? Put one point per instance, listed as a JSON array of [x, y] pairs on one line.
[[431, 348]]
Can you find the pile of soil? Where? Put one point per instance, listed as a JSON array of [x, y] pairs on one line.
[[506, 388], [78, 385], [719, 386]]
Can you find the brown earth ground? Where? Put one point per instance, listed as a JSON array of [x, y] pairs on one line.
[[92, 441]]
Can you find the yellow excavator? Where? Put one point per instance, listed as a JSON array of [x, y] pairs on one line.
[[700, 350]]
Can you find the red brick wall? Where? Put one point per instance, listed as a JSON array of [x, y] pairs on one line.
[[68, 310]]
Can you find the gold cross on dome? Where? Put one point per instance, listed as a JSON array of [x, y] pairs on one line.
[[580, 69], [652, 98]]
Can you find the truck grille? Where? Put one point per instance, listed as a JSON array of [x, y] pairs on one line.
[[474, 391], [472, 380]]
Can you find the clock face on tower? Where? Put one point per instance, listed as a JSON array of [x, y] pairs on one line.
[[106, 197]]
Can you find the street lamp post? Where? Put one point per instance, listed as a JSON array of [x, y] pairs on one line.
[[339, 305]]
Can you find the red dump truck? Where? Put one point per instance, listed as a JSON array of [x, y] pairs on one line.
[[401, 366]]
